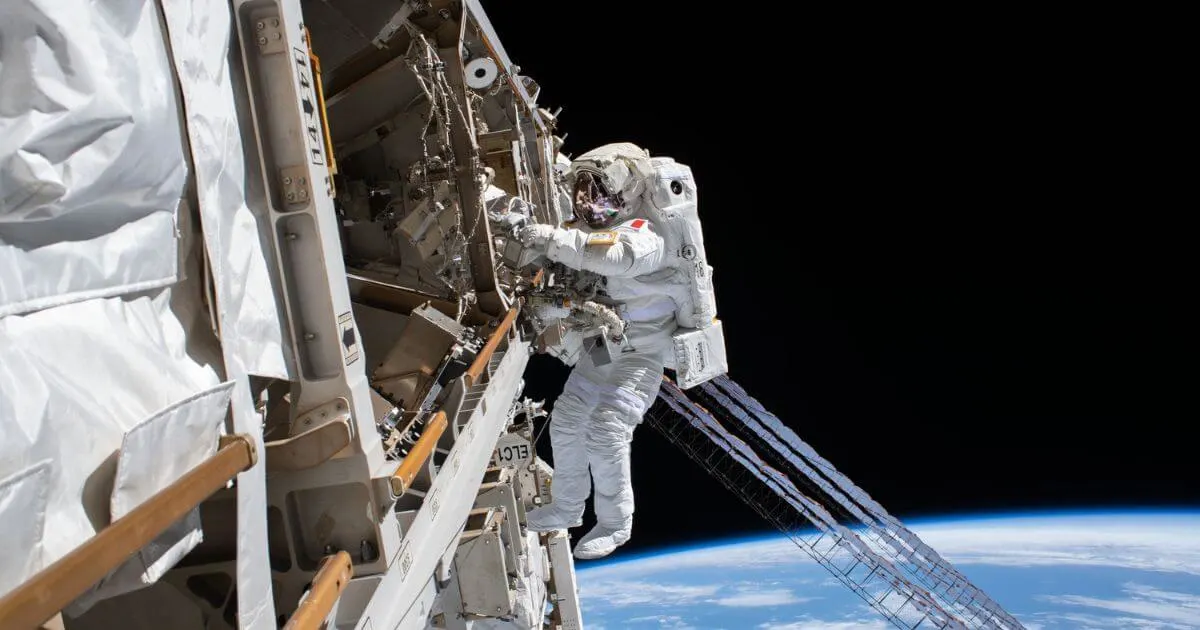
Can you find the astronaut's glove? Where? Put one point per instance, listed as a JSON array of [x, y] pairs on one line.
[[511, 223], [536, 236]]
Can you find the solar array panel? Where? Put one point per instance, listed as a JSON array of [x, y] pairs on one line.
[[754, 454]]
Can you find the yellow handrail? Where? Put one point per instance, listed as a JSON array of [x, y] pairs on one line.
[[327, 586], [489, 348], [407, 471], [45, 594]]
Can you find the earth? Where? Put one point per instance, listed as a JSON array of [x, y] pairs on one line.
[[1127, 570]]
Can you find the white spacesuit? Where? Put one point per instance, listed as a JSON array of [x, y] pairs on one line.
[[614, 235]]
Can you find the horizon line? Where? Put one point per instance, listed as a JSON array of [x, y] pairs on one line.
[[953, 517]]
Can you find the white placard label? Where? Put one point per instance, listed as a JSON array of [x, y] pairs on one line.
[[513, 450]]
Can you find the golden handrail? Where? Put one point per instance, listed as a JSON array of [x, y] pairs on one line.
[[50, 590], [407, 471], [489, 348], [327, 586]]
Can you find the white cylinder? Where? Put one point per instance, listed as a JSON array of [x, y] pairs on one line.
[[480, 73]]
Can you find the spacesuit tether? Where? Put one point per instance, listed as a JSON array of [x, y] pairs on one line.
[[636, 225]]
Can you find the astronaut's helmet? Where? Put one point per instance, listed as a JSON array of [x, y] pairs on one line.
[[593, 202], [607, 182]]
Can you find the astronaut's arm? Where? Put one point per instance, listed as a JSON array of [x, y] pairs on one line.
[[618, 253]]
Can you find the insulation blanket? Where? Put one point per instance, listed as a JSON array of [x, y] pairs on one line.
[[76, 379], [155, 453], [91, 167], [229, 182], [103, 331]]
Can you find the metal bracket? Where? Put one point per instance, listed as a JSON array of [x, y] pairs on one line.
[[336, 409], [269, 36], [297, 190], [399, 19], [311, 448]]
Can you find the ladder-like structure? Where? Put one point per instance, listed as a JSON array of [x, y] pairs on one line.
[[754, 454]]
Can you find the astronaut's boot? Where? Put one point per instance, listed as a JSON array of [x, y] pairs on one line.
[[608, 456], [601, 541], [553, 517]]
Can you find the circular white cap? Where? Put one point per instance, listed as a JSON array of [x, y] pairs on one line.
[[480, 73]]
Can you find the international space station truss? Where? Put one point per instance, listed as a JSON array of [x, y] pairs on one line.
[[755, 455], [274, 377]]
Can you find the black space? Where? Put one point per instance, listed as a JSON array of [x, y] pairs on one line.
[[945, 249]]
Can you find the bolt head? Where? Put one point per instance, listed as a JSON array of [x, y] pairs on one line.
[[262, 41]]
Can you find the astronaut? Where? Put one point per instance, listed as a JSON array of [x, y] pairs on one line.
[[594, 419]]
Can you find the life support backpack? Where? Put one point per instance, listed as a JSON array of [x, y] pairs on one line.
[[670, 204]]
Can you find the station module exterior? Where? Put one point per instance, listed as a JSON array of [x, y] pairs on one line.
[[259, 347]]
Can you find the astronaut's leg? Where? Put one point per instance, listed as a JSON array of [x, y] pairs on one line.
[[632, 385], [568, 438]]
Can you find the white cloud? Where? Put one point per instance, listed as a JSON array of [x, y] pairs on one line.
[[1162, 543], [632, 593], [750, 598], [1140, 590], [1165, 543], [752, 555], [1145, 604], [1105, 622], [815, 624], [674, 622]]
